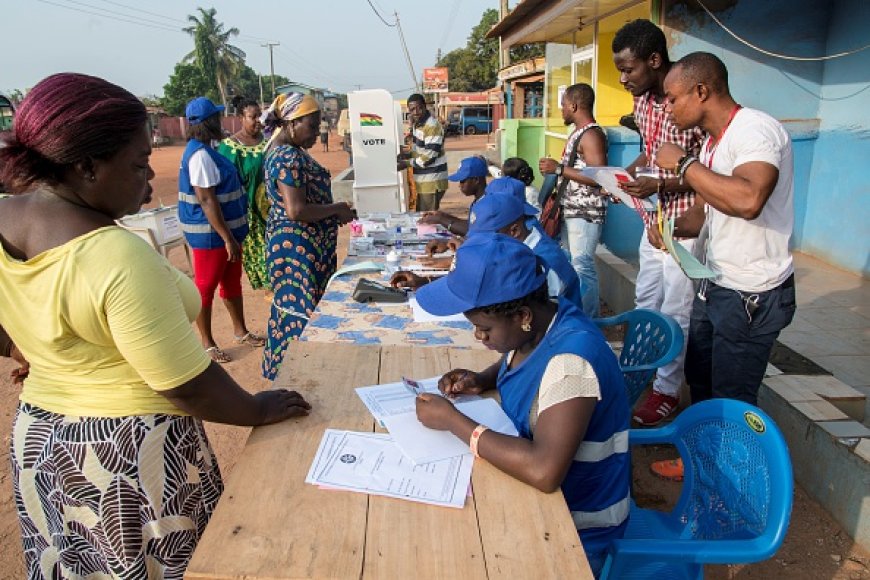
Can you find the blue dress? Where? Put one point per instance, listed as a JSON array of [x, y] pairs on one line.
[[300, 255]]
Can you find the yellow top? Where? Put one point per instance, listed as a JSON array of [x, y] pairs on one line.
[[104, 321]]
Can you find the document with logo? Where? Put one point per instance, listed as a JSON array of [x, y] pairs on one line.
[[371, 463], [609, 178]]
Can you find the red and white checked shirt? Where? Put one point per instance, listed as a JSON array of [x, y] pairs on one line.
[[656, 128]]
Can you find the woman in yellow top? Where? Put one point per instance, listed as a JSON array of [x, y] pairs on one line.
[[112, 472]]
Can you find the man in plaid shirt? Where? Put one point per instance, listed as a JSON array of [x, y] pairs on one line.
[[641, 56]]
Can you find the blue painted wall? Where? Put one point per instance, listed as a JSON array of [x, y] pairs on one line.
[[837, 219], [823, 104]]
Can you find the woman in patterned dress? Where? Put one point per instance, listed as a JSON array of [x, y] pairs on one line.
[[302, 231], [113, 474], [245, 149]]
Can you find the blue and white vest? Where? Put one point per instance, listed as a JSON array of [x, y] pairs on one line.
[[230, 195], [554, 258], [596, 487]]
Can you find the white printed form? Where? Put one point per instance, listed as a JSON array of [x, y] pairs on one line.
[[372, 463]]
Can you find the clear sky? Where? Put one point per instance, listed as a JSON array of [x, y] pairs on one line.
[[334, 44]]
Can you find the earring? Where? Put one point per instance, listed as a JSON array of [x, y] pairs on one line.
[[92, 177], [526, 327]]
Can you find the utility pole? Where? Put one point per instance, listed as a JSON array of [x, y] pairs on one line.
[[271, 45], [504, 57], [262, 101]]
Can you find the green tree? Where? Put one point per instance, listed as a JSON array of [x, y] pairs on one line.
[[185, 83], [247, 83], [218, 60], [475, 66]]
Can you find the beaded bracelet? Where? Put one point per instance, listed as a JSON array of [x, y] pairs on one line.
[[684, 164], [475, 438]]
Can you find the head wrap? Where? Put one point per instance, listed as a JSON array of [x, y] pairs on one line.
[[286, 108]]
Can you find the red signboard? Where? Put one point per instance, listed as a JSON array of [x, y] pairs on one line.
[[435, 80]]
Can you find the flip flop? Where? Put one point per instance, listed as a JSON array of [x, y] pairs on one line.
[[251, 339], [217, 355]]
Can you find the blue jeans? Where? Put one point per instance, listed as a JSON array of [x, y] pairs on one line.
[[730, 341], [580, 239]]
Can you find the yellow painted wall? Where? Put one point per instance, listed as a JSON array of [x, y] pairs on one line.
[[612, 100]]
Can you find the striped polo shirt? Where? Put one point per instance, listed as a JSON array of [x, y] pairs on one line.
[[427, 156]]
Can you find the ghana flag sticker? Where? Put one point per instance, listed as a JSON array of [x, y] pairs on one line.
[[370, 120]]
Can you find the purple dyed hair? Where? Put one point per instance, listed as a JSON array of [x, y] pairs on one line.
[[65, 119]]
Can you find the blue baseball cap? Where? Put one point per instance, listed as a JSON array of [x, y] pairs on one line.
[[489, 269], [494, 211], [511, 186], [200, 109], [470, 167]]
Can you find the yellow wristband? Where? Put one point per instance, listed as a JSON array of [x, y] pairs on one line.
[[475, 438]]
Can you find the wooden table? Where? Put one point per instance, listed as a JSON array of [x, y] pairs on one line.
[[271, 524]]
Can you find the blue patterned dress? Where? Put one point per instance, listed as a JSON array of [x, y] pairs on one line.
[[300, 255]]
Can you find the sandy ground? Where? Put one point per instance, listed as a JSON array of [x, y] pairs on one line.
[[815, 547]]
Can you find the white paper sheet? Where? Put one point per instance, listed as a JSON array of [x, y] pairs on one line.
[[367, 266], [420, 315], [424, 445], [394, 407], [371, 463], [610, 177]]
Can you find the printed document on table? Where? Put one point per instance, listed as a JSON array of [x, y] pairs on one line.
[[683, 257], [610, 177], [372, 463]]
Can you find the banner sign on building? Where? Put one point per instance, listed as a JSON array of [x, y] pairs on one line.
[[435, 80]]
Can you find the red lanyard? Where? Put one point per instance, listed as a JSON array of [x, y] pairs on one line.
[[711, 146]]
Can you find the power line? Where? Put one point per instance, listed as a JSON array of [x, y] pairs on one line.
[[407, 54], [375, 10], [454, 10], [776, 54], [157, 25], [143, 11]]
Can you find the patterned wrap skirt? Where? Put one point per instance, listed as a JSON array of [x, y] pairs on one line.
[[124, 497]]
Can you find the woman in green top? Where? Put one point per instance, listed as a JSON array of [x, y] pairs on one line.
[[245, 149]]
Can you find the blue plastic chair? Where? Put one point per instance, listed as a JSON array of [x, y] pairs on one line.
[[735, 503], [652, 340]]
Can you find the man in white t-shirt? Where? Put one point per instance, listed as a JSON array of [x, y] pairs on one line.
[[744, 176]]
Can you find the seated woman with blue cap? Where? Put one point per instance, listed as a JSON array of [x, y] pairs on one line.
[[559, 382], [506, 214]]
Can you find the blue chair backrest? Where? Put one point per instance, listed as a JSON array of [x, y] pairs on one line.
[[738, 476], [652, 339]]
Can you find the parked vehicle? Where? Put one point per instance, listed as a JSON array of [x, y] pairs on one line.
[[469, 121], [7, 112]]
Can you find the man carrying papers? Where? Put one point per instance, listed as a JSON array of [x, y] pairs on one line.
[[559, 383], [745, 176], [640, 54]]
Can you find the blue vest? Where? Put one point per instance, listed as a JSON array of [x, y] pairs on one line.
[[554, 259], [596, 487], [230, 195]]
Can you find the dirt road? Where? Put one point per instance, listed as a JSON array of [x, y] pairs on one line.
[[815, 547]]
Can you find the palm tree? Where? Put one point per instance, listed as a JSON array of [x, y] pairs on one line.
[[218, 60]]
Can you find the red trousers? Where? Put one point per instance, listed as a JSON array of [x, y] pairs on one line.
[[211, 269]]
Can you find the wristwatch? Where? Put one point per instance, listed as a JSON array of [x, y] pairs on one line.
[[559, 169]]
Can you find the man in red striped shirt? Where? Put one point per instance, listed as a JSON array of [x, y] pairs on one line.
[[641, 56]]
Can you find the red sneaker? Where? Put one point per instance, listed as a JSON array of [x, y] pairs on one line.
[[657, 407]]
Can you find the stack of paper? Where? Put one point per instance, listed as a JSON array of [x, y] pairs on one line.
[[371, 463], [413, 462]]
